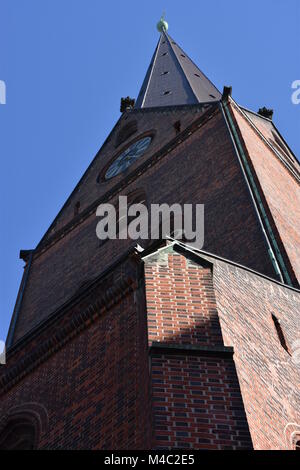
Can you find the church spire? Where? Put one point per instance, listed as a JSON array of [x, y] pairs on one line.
[[172, 77]]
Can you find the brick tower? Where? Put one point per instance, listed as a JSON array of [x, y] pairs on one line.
[[160, 345]]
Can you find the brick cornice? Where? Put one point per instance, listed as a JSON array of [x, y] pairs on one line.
[[190, 349], [74, 327]]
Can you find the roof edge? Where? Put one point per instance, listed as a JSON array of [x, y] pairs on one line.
[[208, 256]]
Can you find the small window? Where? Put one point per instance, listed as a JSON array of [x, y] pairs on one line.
[[280, 334], [212, 96], [297, 445], [197, 75], [177, 126], [164, 73], [168, 92], [165, 53], [77, 208], [182, 55]]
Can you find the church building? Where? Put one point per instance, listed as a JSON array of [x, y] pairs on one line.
[[159, 344]]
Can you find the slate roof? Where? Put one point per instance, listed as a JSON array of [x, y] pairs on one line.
[[173, 79]]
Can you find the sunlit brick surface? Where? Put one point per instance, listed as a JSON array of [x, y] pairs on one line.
[[197, 404]]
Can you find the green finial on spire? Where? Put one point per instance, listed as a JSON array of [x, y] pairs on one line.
[[162, 25]]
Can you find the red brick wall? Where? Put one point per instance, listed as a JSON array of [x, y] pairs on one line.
[[269, 377], [181, 305], [197, 404], [279, 187], [196, 399], [95, 387], [239, 304], [91, 370], [57, 274]]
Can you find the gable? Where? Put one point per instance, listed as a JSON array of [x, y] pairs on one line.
[[164, 124]]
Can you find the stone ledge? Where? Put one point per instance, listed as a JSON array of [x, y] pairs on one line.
[[191, 349]]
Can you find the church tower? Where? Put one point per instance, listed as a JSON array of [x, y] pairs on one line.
[[156, 344]]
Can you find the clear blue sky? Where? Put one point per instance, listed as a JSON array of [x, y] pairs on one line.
[[66, 63]]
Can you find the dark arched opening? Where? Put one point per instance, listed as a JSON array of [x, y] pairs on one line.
[[18, 434]]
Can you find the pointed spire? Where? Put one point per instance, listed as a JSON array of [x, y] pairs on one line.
[[172, 77]]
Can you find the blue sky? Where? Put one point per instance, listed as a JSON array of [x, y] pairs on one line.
[[66, 64]]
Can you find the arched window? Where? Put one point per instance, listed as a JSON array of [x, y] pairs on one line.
[[297, 445], [19, 434], [22, 426]]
